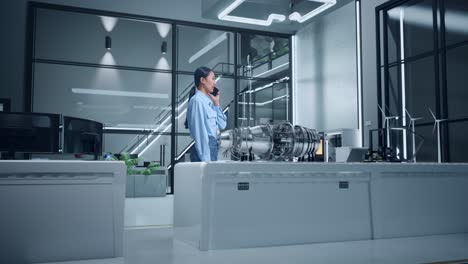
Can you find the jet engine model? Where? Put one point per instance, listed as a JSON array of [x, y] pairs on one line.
[[271, 142]]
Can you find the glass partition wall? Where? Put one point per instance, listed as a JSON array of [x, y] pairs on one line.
[[264, 74], [134, 75], [422, 65]]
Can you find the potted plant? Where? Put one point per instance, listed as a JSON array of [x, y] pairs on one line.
[[148, 181]]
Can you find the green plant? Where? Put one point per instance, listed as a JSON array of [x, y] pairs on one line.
[[131, 163]]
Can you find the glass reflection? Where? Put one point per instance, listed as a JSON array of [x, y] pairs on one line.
[[205, 47], [263, 102], [117, 98], [410, 29], [79, 37], [262, 56]]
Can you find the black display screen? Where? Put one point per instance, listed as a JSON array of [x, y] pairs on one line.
[[29, 132], [82, 136]]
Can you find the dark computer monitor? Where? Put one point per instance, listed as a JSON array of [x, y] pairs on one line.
[[29, 133], [82, 136]]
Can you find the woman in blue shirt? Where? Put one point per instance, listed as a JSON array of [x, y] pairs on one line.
[[204, 116]]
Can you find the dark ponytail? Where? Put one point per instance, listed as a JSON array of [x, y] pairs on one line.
[[200, 72]]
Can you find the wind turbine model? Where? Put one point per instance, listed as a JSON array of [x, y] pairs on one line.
[[387, 124], [437, 124], [413, 132]]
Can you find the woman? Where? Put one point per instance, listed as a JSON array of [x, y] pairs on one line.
[[204, 116]]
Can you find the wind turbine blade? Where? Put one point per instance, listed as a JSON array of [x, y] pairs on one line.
[[381, 110], [434, 127], [408, 113], [432, 113]]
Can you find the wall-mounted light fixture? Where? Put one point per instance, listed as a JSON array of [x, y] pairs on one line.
[[164, 47], [108, 43]]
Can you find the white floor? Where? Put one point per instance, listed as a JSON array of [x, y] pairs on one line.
[[156, 245]]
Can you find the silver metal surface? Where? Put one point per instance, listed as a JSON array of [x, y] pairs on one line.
[[271, 142]]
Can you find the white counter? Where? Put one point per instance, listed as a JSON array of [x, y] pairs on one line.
[[61, 210], [247, 204]]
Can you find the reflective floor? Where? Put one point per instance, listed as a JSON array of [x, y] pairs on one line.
[[156, 245]]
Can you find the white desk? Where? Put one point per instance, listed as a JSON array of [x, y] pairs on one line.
[[61, 210], [297, 203]]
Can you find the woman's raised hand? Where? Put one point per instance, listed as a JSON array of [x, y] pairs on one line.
[[215, 99]]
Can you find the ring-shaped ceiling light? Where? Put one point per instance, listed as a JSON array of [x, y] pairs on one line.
[[326, 4], [224, 15], [295, 16]]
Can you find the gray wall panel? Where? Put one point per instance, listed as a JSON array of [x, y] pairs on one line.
[[326, 71]]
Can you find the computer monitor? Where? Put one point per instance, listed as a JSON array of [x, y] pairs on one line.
[[82, 136], [29, 133]]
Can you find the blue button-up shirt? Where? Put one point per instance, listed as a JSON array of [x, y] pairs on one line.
[[203, 120]]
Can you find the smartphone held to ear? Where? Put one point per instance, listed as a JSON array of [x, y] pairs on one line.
[[215, 91]]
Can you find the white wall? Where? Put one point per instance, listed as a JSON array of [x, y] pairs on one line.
[[326, 86], [369, 65], [307, 100]]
